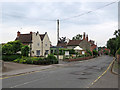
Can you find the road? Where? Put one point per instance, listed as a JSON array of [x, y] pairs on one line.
[[76, 75]]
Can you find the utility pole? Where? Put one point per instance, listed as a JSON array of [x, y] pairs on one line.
[[57, 40]]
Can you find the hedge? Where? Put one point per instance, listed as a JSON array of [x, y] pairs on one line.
[[51, 59], [10, 57]]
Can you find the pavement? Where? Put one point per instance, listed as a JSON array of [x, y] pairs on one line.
[[11, 68], [80, 74]]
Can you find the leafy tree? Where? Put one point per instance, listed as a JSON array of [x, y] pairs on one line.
[[16, 45], [11, 47], [7, 49], [62, 40], [77, 37], [25, 50], [118, 51], [114, 43]]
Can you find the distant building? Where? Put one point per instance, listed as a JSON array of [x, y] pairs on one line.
[[39, 43], [84, 43]]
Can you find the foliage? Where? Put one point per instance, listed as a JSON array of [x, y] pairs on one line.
[[10, 57], [106, 52], [51, 59], [89, 52], [25, 50], [0, 51], [77, 37], [11, 47], [118, 51], [62, 40], [95, 53], [114, 43]]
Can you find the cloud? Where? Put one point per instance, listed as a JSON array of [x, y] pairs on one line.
[[35, 16]]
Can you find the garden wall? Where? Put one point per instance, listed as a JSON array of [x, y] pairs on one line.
[[78, 59]]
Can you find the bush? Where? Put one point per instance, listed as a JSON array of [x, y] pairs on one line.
[[25, 50], [95, 53], [118, 51], [10, 57], [89, 52], [52, 59]]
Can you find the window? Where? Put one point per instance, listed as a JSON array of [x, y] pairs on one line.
[[46, 52], [51, 51], [38, 44], [38, 52]]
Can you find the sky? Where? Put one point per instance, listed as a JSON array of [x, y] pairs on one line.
[[41, 16]]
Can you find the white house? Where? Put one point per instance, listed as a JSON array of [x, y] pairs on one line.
[[39, 43]]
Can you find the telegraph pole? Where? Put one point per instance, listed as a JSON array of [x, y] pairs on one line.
[[57, 40]]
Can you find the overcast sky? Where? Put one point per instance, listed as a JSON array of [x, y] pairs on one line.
[[41, 16]]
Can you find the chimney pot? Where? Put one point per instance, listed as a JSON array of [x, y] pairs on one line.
[[31, 32], [87, 37], [18, 33], [84, 36]]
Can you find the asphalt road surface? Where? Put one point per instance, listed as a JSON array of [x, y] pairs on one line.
[[76, 75]]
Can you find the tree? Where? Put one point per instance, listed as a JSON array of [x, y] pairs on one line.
[[16, 45], [7, 49], [114, 43], [77, 37], [62, 40], [11, 47], [25, 50]]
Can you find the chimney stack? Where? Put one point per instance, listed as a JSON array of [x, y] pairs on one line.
[[84, 36], [87, 37], [31, 32], [18, 33]]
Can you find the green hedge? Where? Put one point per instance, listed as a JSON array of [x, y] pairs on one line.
[[51, 59], [10, 57]]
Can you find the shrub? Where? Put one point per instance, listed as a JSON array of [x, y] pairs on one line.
[[89, 52], [95, 53], [52, 59], [10, 57], [118, 51], [25, 50]]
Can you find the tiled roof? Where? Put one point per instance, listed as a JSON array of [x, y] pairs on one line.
[[42, 36], [25, 38], [62, 45], [74, 42]]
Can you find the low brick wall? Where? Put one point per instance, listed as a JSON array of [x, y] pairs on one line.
[[79, 59]]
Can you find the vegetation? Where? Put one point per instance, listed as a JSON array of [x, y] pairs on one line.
[[118, 51], [77, 37], [95, 53], [11, 47], [25, 50], [51, 59], [114, 43], [10, 57], [62, 40], [89, 52], [0, 51]]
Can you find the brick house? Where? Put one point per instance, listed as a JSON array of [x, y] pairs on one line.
[[84, 43], [39, 43]]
